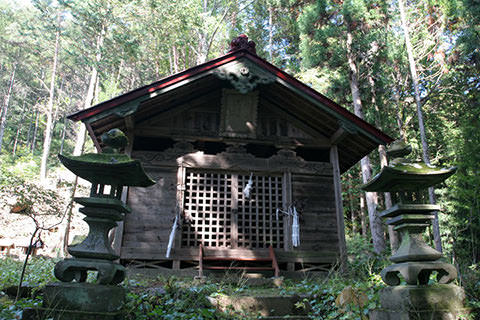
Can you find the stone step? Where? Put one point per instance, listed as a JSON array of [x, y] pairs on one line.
[[266, 306], [286, 317]]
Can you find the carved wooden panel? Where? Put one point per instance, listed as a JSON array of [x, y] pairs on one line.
[[239, 114]]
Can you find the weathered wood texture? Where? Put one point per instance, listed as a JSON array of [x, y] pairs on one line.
[[337, 185], [218, 117], [208, 188], [191, 254], [239, 114], [310, 187], [148, 226], [315, 199]]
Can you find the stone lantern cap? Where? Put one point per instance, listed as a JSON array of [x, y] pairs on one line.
[[408, 177], [404, 175], [108, 169]]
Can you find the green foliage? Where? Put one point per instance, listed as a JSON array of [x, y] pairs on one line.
[[10, 310], [22, 168], [24, 195], [363, 262], [179, 300], [39, 271], [146, 40]]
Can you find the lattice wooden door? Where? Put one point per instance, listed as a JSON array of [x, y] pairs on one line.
[[207, 209], [218, 215], [256, 219]]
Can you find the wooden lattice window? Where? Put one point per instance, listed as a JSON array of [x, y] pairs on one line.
[[218, 215], [207, 209], [256, 218]]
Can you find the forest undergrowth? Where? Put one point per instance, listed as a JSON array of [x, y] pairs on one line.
[[176, 297]]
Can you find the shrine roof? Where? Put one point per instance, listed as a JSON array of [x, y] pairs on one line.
[[315, 105]]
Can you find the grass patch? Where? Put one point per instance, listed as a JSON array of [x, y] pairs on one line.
[[185, 298]]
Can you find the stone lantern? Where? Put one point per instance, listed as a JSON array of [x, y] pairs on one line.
[[411, 293], [108, 172]]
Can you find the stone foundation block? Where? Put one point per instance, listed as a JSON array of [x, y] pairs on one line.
[[55, 314], [84, 297], [437, 302]]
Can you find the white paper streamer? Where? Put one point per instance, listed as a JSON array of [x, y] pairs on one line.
[[248, 187], [292, 212], [172, 236], [295, 229]]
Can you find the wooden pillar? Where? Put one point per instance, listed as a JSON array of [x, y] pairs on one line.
[[177, 243], [334, 160], [287, 226], [118, 231], [94, 138], [287, 201]]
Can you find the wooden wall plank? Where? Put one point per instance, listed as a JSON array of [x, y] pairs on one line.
[[148, 227], [153, 212], [339, 205], [316, 202]]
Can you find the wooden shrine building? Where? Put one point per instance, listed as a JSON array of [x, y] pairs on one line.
[[208, 133]]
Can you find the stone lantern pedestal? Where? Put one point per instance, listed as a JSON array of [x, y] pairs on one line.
[[406, 302], [412, 294]]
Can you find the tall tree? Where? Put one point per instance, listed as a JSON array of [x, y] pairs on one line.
[[5, 104], [376, 227], [51, 96], [337, 38], [420, 114]]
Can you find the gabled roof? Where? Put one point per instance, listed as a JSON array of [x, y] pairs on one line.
[[310, 105]]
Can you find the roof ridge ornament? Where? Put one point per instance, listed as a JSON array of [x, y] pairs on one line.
[[242, 42]]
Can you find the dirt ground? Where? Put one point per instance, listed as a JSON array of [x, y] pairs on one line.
[[16, 229]]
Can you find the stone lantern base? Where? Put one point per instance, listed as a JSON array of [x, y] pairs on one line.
[[433, 302], [79, 301]]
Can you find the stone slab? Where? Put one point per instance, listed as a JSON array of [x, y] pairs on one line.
[[418, 315], [266, 306], [84, 297], [55, 314]]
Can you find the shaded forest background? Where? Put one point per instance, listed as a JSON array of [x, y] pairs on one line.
[[411, 68]]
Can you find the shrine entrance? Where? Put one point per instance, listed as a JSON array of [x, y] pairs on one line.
[[217, 213]]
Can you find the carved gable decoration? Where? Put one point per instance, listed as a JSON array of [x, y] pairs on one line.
[[239, 114], [244, 75]]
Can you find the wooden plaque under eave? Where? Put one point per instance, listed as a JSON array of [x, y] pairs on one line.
[[239, 114]]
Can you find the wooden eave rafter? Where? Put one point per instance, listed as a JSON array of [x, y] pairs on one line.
[[338, 136]]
